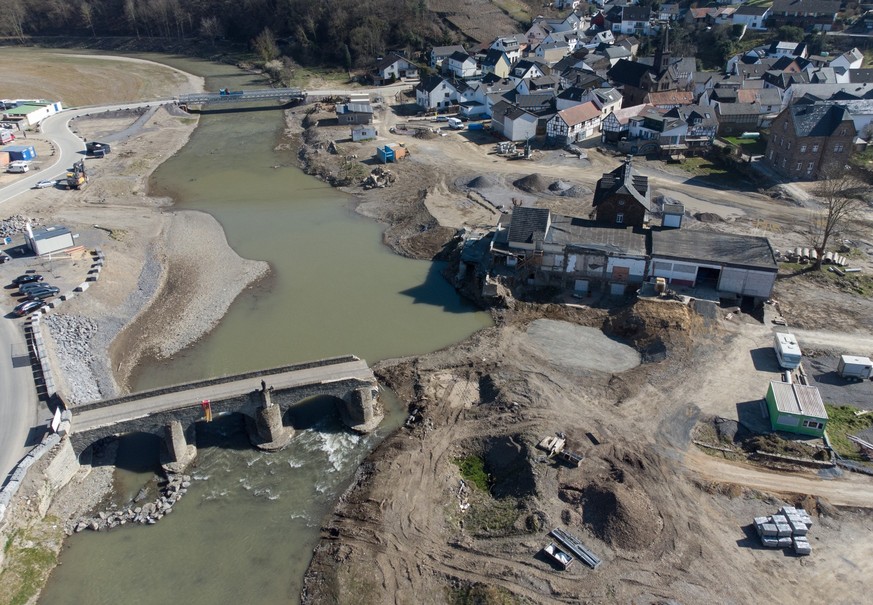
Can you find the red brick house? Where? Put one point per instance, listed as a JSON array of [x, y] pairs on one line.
[[808, 140]]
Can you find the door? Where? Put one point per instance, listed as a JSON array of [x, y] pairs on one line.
[[620, 274]]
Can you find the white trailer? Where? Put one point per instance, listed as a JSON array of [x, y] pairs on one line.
[[787, 350], [852, 366]]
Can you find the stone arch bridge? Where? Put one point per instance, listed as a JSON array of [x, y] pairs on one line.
[[263, 397]]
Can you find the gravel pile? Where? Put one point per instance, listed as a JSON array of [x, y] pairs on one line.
[[576, 191], [15, 225], [483, 182], [532, 183], [74, 346], [559, 186], [145, 514]]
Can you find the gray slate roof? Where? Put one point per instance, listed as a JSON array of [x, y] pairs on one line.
[[707, 246], [525, 222], [568, 230], [818, 119], [623, 181]]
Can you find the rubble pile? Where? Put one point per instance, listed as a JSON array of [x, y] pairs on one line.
[[379, 177], [147, 514], [16, 224]]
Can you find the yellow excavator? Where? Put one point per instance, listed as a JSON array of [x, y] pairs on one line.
[[77, 178]]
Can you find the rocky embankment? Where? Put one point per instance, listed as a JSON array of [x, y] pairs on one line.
[[142, 514], [73, 337]]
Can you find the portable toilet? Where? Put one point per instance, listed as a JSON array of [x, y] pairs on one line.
[[20, 153]]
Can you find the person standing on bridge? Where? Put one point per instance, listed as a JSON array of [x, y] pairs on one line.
[[263, 385]]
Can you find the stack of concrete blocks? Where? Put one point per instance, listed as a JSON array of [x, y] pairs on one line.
[[41, 355], [96, 267], [787, 529]]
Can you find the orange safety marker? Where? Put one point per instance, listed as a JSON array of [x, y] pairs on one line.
[[207, 409]]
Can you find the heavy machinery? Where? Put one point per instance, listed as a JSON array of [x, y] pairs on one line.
[[226, 92], [77, 178]]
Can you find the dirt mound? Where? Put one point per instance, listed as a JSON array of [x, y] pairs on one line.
[[655, 326], [576, 191], [621, 516], [482, 182], [532, 183], [559, 186], [424, 134], [708, 217]]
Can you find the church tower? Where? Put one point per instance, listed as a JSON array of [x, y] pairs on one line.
[[662, 55]]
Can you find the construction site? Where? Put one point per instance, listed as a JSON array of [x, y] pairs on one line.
[[630, 435]]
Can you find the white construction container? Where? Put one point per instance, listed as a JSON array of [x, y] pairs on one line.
[[787, 350], [852, 366]]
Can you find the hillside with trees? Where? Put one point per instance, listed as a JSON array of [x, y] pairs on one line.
[[312, 32]]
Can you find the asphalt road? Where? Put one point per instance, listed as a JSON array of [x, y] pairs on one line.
[[19, 406]]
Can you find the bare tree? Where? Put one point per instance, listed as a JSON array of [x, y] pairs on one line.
[[839, 196], [211, 29], [130, 14], [88, 16], [265, 45], [12, 18]]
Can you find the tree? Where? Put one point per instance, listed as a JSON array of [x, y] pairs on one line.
[[130, 15], [88, 17], [790, 33], [265, 45], [211, 29], [12, 18], [839, 196]]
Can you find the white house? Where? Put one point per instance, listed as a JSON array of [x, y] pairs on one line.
[[607, 100], [552, 52], [753, 17], [434, 92], [364, 133], [394, 67], [574, 124], [849, 60], [512, 122], [635, 21], [462, 66], [511, 45]]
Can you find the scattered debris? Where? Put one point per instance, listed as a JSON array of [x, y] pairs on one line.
[[379, 177]]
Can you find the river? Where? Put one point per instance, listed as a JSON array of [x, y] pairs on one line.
[[244, 533]]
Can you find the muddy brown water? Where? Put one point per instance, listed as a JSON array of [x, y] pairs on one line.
[[245, 531]]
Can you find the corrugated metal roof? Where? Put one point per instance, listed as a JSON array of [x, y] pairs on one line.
[[798, 399]]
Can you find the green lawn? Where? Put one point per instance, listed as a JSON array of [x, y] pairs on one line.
[[702, 167], [749, 146], [842, 421]]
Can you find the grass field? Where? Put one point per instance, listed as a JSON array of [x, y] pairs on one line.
[[842, 421], [749, 146], [78, 80]]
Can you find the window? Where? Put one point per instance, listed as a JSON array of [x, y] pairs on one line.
[[838, 148], [619, 218], [789, 146], [815, 148], [798, 166], [810, 166], [812, 424], [803, 149]]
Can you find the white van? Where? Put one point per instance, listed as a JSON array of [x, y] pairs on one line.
[[455, 124], [787, 350], [18, 167]]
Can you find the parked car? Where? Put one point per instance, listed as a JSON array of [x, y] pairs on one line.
[[26, 279], [25, 288], [41, 294], [28, 306], [45, 184]]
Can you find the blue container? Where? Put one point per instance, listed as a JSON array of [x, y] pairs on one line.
[[475, 126], [20, 153]]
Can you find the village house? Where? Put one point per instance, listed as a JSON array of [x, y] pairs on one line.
[[513, 123], [552, 52], [622, 197], [574, 124], [806, 14], [393, 68], [669, 99], [852, 59], [809, 141], [495, 62], [440, 53], [607, 100], [542, 249], [636, 79], [692, 134], [634, 21], [514, 46], [616, 125], [435, 92], [354, 113], [736, 118], [753, 17], [461, 66]]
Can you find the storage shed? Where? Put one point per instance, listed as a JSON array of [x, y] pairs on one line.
[[796, 408], [20, 153], [734, 265], [49, 239], [364, 133]]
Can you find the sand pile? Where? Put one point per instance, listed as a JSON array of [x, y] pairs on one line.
[[620, 515], [532, 183], [482, 182]]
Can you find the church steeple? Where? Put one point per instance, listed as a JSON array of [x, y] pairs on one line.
[[662, 55]]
